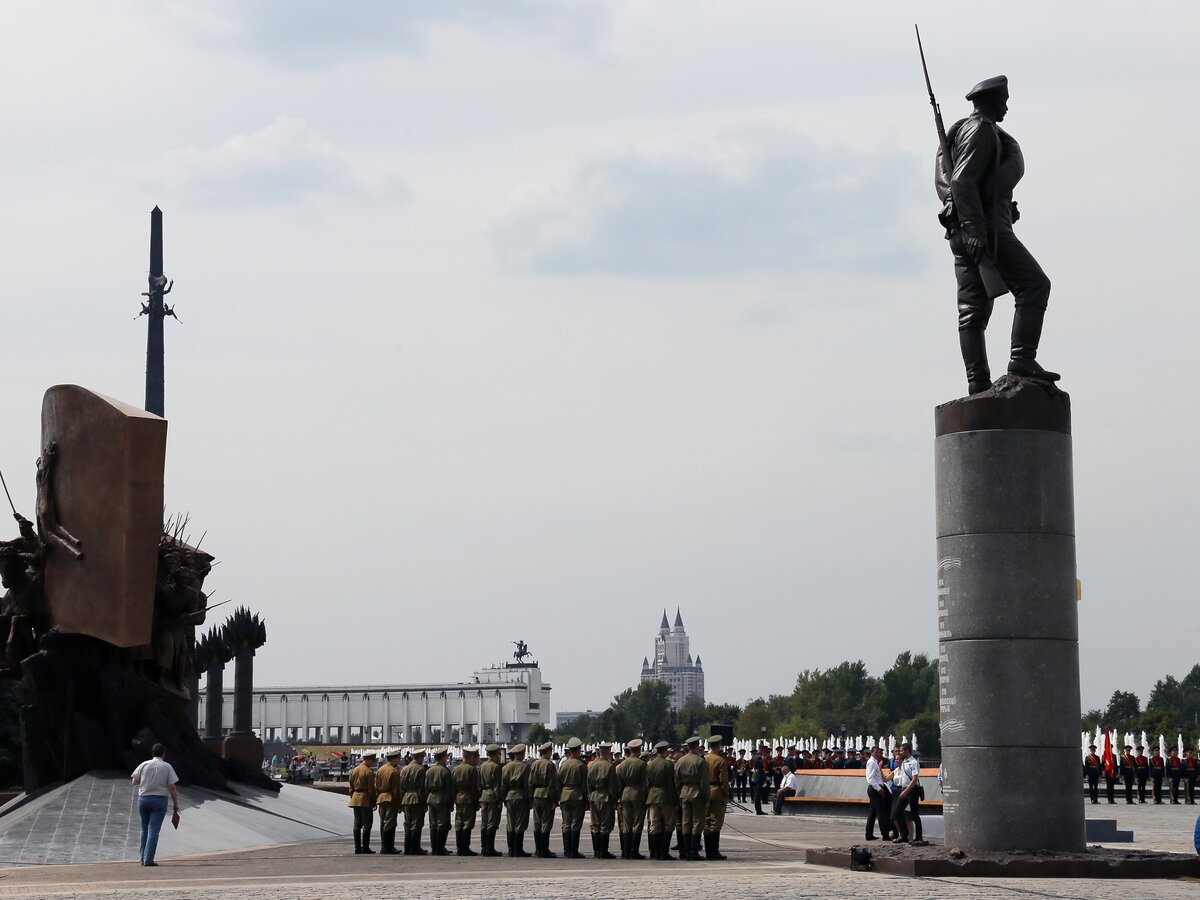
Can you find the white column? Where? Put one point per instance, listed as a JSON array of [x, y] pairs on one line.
[[346, 718], [462, 715], [424, 716], [387, 717], [406, 737]]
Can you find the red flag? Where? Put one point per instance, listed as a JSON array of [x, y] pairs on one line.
[[1110, 768]]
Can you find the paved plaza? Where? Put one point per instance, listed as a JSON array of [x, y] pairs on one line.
[[765, 862]]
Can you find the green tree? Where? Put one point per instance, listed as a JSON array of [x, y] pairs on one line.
[[755, 722], [647, 710], [538, 734], [1123, 708], [843, 695], [910, 688]]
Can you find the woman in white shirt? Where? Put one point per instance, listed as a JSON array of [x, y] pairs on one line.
[[155, 780]]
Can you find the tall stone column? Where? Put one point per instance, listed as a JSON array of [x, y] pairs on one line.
[[1008, 623]]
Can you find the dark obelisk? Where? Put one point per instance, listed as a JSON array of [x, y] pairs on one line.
[[154, 311], [1008, 625]]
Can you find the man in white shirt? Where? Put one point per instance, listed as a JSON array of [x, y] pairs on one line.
[[906, 777], [787, 788], [155, 780], [879, 797]]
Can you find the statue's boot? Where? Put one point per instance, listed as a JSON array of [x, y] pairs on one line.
[[974, 354], [1026, 334]]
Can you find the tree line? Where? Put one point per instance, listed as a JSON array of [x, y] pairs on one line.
[[1173, 708]]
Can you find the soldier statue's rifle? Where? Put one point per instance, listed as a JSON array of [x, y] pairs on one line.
[[993, 283]]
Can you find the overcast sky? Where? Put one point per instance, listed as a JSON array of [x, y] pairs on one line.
[[523, 320]]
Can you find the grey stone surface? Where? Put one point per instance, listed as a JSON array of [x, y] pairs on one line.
[[1007, 585], [1004, 481], [1017, 693], [94, 819], [850, 787], [1005, 798]]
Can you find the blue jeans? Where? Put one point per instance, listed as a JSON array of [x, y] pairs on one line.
[[152, 810]]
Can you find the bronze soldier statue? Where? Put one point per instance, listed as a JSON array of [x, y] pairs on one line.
[[976, 185]]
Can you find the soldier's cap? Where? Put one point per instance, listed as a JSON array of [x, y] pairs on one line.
[[574, 743], [1128, 747], [603, 745], [1091, 746], [988, 85], [515, 749], [492, 748], [441, 751], [417, 751], [714, 740], [549, 745], [470, 751], [370, 756], [395, 754], [694, 740], [662, 745], [635, 744]]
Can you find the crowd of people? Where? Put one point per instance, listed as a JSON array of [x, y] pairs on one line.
[[675, 791], [1137, 770]]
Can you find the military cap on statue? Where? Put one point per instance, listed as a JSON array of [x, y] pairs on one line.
[[998, 83], [714, 740], [635, 744], [574, 743], [493, 748], [549, 745], [662, 745]]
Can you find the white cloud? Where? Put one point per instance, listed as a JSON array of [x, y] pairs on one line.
[[283, 163], [760, 201]]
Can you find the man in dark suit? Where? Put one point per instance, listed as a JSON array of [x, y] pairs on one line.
[[761, 775]]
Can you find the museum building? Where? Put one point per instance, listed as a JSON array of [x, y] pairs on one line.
[[500, 703]]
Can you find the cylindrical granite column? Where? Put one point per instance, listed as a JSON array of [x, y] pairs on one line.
[[1007, 620]]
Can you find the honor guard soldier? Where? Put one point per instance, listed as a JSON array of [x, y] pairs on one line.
[[514, 788], [1128, 773], [661, 801], [603, 792], [1191, 770], [1174, 773], [362, 801], [465, 778], [1142, 764], [412, 802], [691, 778], [1091, 769], [1158, 768], [439, 797], [718, 798], [572, 798], [387, 796], [543, 784], [490, 801], [1110, 777], [631, 773]]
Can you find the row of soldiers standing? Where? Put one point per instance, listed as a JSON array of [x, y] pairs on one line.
[[684, 792], [1138, 768]]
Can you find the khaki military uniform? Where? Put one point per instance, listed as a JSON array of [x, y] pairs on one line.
[[412, 802], [543, 783], [572, 800], [467, 791], [490, 800], [691, 778], [387, 796], [604, 791], [362, 801], [631, 773], [439, 798], [718, 791], [662, 798], [514, 785]]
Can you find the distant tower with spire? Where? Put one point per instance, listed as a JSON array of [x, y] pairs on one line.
[[673, 663]]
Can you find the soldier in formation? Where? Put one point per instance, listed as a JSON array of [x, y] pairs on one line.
[[439, 797], [514, 790], [362, 801], [544, 787], [387, 793], [662, 801], [490, 800], [718, 798], [603, 793], [691, 778], [412, 802], [572, 798], [467, 790], [631, 773]]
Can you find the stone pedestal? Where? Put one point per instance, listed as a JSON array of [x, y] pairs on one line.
[[245, 748], [1007, 620]]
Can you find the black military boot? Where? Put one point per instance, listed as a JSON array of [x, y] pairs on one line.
[[537, 844], [635, 845], [712, 845], [387, 842], [605, 839], [575, 835], [466, 844], [1026, 334], [664, 847], [519, 844], [443, 834], [492, 851], [358, 840], [623, 838], [974, 353], [366, 840], [416, 839], [547, 853]]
